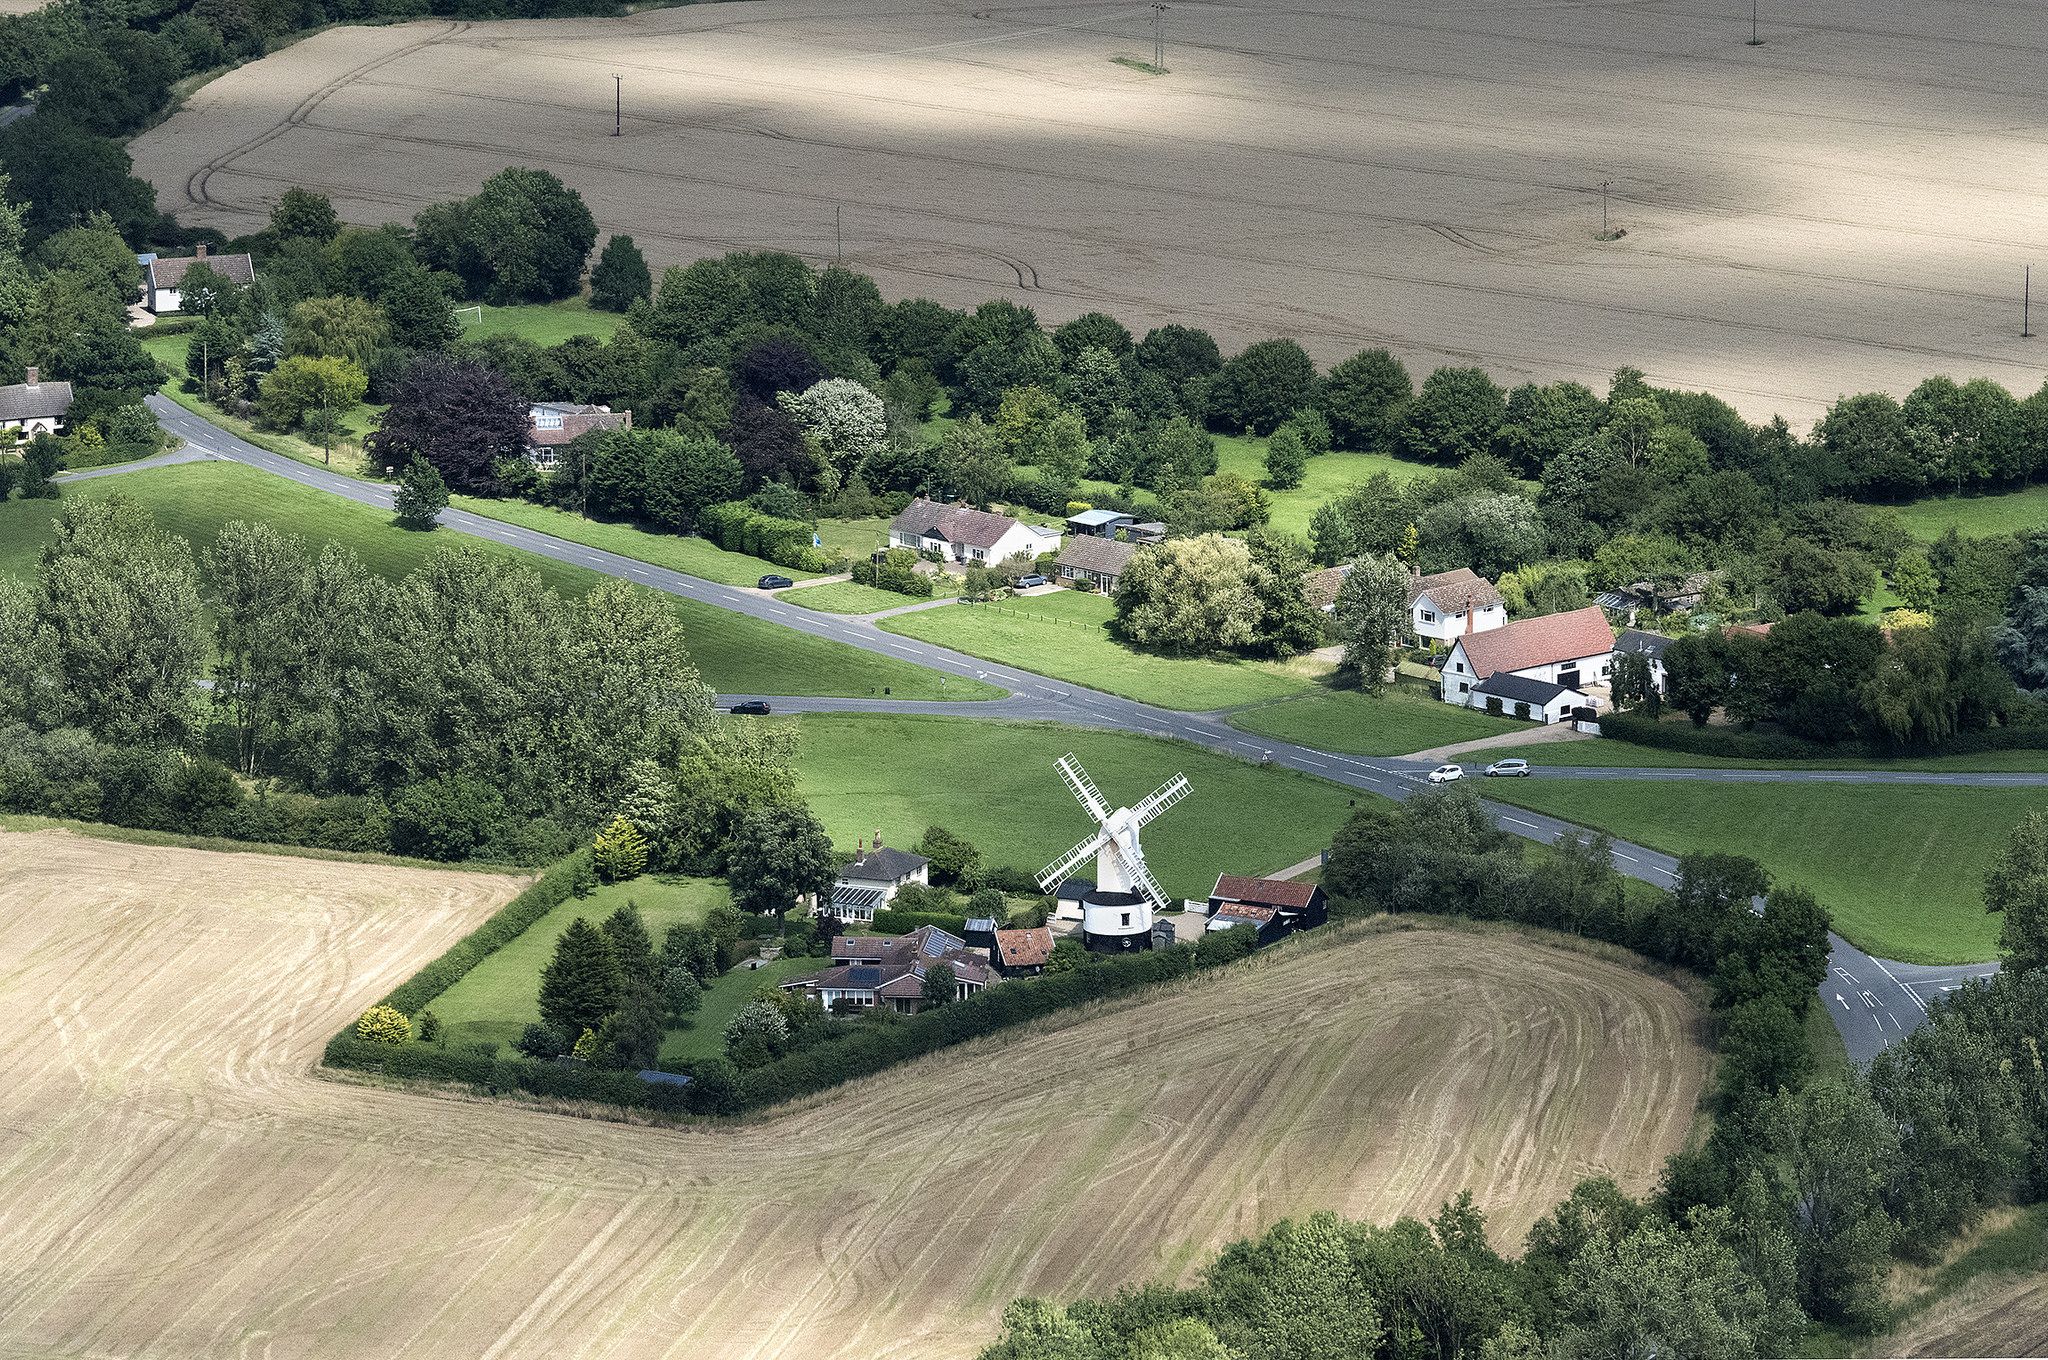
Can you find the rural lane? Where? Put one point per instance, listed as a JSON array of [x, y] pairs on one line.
[[1872, 1001]]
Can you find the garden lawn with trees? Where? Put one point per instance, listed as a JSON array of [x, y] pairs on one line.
[[544, 323], [1325, 477], [498, 998], [1400, 721], [1899, 867], [2008, 512], [1067, 636], [732, 651], [994, 784]]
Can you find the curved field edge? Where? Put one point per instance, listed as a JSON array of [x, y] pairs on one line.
[[173, 1142]]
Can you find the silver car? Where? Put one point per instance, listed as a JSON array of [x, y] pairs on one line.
[[1514, 767]]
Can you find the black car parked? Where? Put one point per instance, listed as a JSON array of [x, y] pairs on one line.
[[774, 583], [752, 707]]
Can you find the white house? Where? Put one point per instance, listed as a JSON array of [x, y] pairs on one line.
[[1518, 696], [551, 424], [1571, 650], [1650, 647], [163, 279], [959, 533], [34, 407], [871, 880], [1451, 604]]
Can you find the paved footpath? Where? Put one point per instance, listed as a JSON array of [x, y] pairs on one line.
[[1872, 1001]]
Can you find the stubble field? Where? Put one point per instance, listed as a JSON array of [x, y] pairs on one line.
[[176, 1183], [1845, 207]]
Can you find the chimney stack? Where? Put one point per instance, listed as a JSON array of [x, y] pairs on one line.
[[35, 375], [878, 838], [199, 251]]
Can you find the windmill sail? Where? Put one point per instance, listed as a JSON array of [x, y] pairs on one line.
[[1056, 872], [1160, 799], [1083, 787]]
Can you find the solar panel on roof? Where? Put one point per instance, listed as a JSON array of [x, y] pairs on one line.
[[863, 975]]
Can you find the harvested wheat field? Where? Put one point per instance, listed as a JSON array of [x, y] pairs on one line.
[[2005, 1315], [1845, 207], [176, 1182]]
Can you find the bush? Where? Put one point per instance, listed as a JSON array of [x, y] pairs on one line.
[[620, 852], [383, 1024], [891, 922], [896, 571], [739, 527]]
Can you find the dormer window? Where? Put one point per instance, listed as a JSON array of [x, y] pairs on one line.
[[545, 419]]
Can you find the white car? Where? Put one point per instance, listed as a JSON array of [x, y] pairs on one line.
[[1514, 767], [1445, 774]]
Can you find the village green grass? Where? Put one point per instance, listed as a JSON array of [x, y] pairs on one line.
[[900, 775], [544, 323], [688, 554], [1066, 636], [1397, 723], [734, 652], [846, 597], [1900, 867]]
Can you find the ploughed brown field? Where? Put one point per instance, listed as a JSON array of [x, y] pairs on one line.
[[175, 1181], [1844, 208]]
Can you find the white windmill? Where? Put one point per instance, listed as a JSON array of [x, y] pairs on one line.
[[1117, 912]]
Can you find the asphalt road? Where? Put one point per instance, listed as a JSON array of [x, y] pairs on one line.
[[1872, 1001]]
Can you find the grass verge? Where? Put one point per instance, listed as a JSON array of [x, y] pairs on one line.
[[1397, 723], [1608, 753], [1066, 636], [1898, 866], [845, 597], [686, 553]]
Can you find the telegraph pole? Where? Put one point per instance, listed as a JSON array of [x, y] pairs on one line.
[[2027, 304], [1605, 185], [1754, 40], [1158, 36], [838, 232], [618, 106]]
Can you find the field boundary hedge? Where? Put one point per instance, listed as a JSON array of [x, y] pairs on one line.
[[543, 895], [1724, 743]]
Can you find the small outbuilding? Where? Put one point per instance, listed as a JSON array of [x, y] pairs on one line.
[[1098, 523], [1520, 696], [1022, 953], [1278, 905], [1095, 562]]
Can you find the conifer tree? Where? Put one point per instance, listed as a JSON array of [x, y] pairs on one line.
[[621, 276], [580, 986], [632, 947]]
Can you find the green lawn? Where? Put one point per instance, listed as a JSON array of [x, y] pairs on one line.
[[1065, 636], [500, 997], [1607, 752], [704, 1036], [1329, 476], [1977, 516], [735, 653], [545, 323], [853, 538], [688, 554], [845, 597], [1899, 866], [861, 772], [1398, 723]]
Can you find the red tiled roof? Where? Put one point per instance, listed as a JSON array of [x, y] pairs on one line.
[[1248, 911], [1539, 642], [1265, 892], [1024, 948], [576, 423]]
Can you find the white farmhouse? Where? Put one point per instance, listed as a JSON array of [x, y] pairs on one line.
[[961, 534], [550, 425], [163, 279], [1562, 654], [871, 880], [1450, 604], [34, 407]]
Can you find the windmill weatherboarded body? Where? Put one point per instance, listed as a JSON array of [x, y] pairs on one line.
[[1117, 913]]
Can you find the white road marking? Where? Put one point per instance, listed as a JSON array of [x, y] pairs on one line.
[[1517, 821]]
